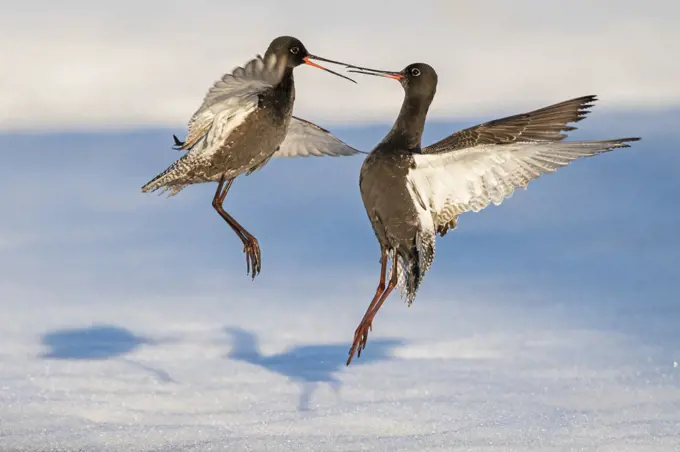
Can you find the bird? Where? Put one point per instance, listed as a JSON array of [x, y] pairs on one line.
[[245, 120], [413, 193]]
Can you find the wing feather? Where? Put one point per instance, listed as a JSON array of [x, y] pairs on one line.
[[485, 164], [544, 124], [305, 139], [233, 94], [472, 178]]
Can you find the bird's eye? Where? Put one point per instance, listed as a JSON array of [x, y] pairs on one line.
[[415, 72], [294, 50]]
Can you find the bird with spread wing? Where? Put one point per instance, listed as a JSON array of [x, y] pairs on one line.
[[412, 193], [245, 120]]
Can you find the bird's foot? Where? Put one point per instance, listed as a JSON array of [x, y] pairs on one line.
[[360, 339], [253, 258]]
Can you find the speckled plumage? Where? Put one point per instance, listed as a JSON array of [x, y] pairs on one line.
[[245, 120], [248, 146]]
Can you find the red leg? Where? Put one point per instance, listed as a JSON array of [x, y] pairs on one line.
[[250, 245], [381, 294]]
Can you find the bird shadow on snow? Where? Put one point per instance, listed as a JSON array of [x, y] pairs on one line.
[[98, 343], [308, 365]]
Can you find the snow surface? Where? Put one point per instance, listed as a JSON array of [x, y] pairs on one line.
[[128, 323], [215, 372]]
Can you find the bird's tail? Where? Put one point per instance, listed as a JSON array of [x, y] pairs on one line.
[[410, 275], [412, 265], [171, 178]]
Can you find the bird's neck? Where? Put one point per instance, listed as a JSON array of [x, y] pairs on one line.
[[287, 81], [408, 128]]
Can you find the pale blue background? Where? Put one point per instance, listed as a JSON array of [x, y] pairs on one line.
[[601, 233]]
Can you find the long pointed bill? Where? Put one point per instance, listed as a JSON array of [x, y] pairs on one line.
[[376, 72], [318, 66]]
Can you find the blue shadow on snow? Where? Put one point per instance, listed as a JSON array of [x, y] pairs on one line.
[[308, 365], [98, 342], [91, 343]]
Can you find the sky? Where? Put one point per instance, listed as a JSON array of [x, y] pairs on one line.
[[81, 64], [547, 323]]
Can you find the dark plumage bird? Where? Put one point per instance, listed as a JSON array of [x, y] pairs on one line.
[[245, 120], [412, 193]]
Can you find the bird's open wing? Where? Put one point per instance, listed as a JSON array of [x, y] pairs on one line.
[[545, 124], [305, 139], [232, 96], [477, 166]]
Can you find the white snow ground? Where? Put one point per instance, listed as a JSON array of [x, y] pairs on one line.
[[214, 370], [127, 322]]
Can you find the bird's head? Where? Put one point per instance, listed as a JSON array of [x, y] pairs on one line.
[[417, 79], [294, 53]]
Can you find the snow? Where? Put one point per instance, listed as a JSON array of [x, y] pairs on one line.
[[210, 372], [128, 322]]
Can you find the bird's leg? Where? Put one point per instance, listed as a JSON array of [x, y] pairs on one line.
[[381, 284], [361, 333], [218, 200], [250, 245], [369, 320]]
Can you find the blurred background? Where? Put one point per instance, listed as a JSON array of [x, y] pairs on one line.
[[557, 310]]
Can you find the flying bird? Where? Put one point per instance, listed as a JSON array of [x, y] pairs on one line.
[[412, 193], [245, 120]]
